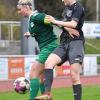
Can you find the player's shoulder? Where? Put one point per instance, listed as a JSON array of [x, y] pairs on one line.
[[78, 6], [36, 13]]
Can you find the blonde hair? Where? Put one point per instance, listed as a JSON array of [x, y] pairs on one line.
[[25, 2]]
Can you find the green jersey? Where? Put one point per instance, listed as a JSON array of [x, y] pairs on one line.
[[42, 32]]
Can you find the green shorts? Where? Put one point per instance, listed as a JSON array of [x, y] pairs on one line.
[[45, 51]]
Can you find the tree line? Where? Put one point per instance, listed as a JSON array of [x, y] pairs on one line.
[[8, 9]]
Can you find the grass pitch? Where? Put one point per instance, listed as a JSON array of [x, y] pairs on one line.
[[92, 46], [89, 93]]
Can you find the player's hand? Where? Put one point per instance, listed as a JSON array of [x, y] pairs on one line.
[[50, 19], [27, 34], [72, 32]]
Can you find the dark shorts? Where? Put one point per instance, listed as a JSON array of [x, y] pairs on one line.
[[72, 51]]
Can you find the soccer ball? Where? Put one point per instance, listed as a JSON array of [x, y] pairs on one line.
[[21, 85]]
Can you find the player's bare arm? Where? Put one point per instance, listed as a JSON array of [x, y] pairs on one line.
[[70, 24], [71, 31]]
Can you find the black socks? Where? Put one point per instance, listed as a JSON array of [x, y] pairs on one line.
[[77, 89], [48, 79]]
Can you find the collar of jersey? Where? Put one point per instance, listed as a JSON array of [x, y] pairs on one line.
[[32, 13]]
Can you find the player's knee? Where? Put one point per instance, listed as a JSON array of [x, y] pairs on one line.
[[75, 77], [48, 65], [34, 71], [34, 67]]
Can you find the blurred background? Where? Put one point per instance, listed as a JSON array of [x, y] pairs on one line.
[[17, 53], [11, 30]]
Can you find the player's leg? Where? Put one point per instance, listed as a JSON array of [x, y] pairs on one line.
[[42, 56], [34, 79], [76, 55], [48, 74], [53, 59], [75, 76], [47, 50], [58, 56]]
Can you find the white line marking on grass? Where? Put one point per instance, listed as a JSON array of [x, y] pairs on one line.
[[92, 46]]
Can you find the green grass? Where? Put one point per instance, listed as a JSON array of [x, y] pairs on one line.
[[94, 47], [89, 93]]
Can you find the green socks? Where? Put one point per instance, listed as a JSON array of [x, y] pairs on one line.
[[34, 87], [42, 88]]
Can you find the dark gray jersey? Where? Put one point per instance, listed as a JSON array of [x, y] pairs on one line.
[[73, 12]]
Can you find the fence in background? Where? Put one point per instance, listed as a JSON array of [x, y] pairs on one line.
[[10, 37], [13, 66]]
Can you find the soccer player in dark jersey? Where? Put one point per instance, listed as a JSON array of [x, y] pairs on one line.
[[70, 48]]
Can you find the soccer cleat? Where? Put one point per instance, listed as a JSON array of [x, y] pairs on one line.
[[44, 97]]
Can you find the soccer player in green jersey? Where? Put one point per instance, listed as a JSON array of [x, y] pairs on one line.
[[42, 31]]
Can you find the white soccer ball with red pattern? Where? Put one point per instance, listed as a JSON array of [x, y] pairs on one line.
[[21, 85]]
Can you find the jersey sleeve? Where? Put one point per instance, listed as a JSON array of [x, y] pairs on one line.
[[77, 13], [39, 18]]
